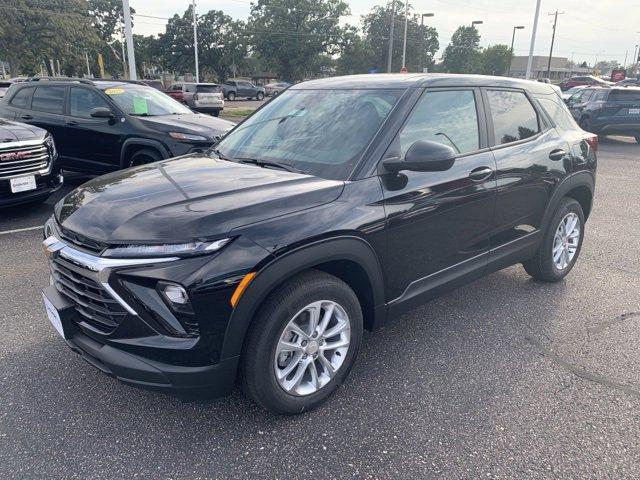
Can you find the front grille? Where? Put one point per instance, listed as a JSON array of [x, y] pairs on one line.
[[81, 241], [18, 160], [97, 309]]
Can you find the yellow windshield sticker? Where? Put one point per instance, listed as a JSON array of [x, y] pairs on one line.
[[140, 106], [114, 91]]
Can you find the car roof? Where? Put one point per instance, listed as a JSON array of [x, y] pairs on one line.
[[408, 80]]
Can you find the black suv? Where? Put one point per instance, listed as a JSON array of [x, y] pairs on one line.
[[101, 126], [333, 208], [607, 110], [28, 168]]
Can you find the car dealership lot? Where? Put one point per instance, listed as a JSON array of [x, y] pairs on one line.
[[503, 378]]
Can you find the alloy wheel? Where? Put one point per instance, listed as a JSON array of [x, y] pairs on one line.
[[566, 240], [312, 348]]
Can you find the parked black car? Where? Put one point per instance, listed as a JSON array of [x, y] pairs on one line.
[[101, 126], [333, 208], [241, 88], [607, 110], [28, 168]]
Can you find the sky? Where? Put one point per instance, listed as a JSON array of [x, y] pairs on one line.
[[588, 29]]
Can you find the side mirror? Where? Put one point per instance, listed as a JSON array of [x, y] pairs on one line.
[[423, 156], [100, 112]]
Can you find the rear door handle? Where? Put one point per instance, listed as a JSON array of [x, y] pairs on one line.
[[480, 173], [26, 117], [73, 123], [557, 154]]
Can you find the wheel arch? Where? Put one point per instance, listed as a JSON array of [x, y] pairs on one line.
[[349, 258], [579, 186], [133, 144]]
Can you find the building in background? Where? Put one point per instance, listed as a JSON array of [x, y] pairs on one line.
[[559, 68]]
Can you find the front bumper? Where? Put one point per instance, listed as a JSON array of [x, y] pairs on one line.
[[45, 186]]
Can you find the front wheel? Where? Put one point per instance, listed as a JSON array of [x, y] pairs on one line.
[[302, 344], [561, 244], [259, 96], [142, 157]]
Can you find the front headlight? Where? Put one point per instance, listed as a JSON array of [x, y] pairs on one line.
[[188, 137], [191, 248], [51, 145]]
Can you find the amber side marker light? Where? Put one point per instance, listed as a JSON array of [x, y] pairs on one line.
[[241, 288]]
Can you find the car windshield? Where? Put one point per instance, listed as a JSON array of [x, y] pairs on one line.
[[144, 101], [320, 132]]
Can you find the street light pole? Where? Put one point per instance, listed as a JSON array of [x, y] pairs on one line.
[[391, 28], [473, 26], [195, 41], [553, 38], [131, 56], [406, 25], [513, 38], [422, 38], [533, 40]]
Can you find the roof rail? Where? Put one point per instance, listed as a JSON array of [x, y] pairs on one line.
[[60, 79], [137, 82]]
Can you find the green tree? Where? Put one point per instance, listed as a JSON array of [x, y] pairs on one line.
[[356, 54], [463, 53], [176, 43], [495, 60], [223, 44], [422, 41], [292, 34]]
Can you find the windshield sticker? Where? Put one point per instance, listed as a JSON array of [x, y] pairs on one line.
[[114, 91], [140, 106]]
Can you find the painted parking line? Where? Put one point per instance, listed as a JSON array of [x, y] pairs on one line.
[[18, 230]]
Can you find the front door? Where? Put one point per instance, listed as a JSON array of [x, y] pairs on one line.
[[439, 223]]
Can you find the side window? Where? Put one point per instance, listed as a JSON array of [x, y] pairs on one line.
[[559, 113], [22, 98], [190, 87], [514, 118], [585, 95], [447, 117], [82, 100], [48, 99]]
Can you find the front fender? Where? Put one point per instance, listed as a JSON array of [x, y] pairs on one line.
[[348, 248]]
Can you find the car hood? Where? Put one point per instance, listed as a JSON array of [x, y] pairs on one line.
[[187, 198], [14, 131], [191, 122]]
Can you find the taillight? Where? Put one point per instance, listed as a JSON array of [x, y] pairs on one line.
[[592, 140]]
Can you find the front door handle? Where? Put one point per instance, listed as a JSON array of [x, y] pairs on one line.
[[480, 173], [26, 117], [73, 123], [557, 154]]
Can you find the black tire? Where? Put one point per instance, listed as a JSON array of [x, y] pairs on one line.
[[231, 96], [258, 375], [259, 96], [143, 156], [585, 124], [216, 113], [541, 266]]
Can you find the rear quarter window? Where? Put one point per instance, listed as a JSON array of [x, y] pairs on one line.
[[22, 98], [558, 112]]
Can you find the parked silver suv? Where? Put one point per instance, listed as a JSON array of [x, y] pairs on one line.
[[201, 97]]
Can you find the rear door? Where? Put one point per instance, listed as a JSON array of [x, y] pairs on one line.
[[94, 142], [47, 111], [532, 159]]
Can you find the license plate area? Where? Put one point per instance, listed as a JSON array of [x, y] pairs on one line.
[[23, 184], [634, 111], [60, 312]]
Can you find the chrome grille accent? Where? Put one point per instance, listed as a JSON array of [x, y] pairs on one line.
[[19, 158], [96, 307]]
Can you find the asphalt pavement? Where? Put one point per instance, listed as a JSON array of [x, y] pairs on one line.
[[504, 378]]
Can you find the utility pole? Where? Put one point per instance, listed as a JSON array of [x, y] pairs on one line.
[[131, 56], [513, 38], [553, 38], [124, 56], [533, 40], [406, 25], [422, 39], [195, 40], [86, 57], [391, 28]]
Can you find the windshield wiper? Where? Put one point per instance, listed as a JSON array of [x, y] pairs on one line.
[[221, 155], [269, 163]]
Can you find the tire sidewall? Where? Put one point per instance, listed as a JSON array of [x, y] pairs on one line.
[[273, 396], [567, 206]]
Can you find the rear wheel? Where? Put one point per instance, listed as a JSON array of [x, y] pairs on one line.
[[561, 245], [231, 96], [259, 96], [143, 156], [302, 343]]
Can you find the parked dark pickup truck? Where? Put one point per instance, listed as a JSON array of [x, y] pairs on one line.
[[241, 88]]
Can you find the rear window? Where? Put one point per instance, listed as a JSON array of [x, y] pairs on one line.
[[5, 84], [208, 89], [22, 98], [625, 96], [514, 118], [49, 99]]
